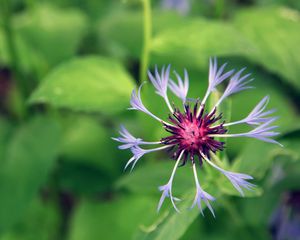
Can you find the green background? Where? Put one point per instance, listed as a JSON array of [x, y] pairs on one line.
[[67, 69]]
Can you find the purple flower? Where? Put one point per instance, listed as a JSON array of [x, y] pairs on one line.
[[139, 152], [194, 131], [201, 195], [160, 82], [216, 76], [182, 6], [127, 139], [137, 104], [236, 84], [181, 89], [262, 132], [285, 221], [257, 116], [130, 141]]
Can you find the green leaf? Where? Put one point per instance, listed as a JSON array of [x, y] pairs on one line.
[[118, 29], [29, 58], [28, 159], [52, 32], [274, 32], [41, 221], [255, 163], [81, 179], [86, 84], [170, 225], [144, 180], [116, 219], [258, 162], [86, 141], [195, 41]]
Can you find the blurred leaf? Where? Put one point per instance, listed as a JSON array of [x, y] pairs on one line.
[[195, 41], [284, 174], [274, 32], [28, 159], [86, 84], [115, 219], [208, 231], [41, 221], [82, 179], [118, 30], [52, 32], [170, 225], [255, 159], [86, 141], [258, 162], [282, 177], [144, 180], [121, 26], [29, 58], [5, 131]]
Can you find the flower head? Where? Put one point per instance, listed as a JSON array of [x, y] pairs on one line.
[[195, 131]]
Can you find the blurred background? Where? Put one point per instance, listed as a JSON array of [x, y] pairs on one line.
[[67, 69]]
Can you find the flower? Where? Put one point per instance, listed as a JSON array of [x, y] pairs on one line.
[[195, 132], [181, 6], [285, 220], [182, 88]]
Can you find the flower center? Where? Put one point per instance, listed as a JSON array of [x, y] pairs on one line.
[[191, 133]]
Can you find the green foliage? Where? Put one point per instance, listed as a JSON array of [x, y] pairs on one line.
[[140, 181], [46, 26], [40, 31], [61, 174], [89, 78], [274, 32], [28, 159], [195, 40], [86, 141], [41, 221], [92, 219], [169, 224]]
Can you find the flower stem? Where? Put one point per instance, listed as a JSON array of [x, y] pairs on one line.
[[219, 8], [6, 12], [147, 39]]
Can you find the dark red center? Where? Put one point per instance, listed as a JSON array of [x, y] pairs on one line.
[[190, 133]]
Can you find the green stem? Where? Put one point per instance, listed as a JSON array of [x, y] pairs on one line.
[[10, 39], [6, 12], [219, 8], [147, 39]]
